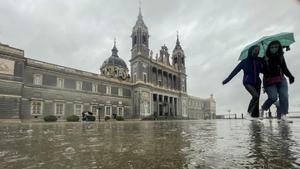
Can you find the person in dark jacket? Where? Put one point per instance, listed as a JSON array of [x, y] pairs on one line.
[[252, 67], [274, 81]]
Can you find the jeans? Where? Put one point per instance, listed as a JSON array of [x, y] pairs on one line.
[[253, 108], [278, 90]]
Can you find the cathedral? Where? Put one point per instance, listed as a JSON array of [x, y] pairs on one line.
[[154, 87]]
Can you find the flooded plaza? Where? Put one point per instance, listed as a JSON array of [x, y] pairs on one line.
[[151, 144]]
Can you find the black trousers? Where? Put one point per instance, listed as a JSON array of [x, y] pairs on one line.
[[253, 108]]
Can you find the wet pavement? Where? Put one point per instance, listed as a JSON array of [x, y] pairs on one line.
[[151, 144]]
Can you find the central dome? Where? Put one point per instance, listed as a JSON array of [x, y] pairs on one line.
[[114, 60], [114, 66]]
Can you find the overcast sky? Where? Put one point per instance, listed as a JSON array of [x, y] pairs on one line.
[[79, 34]]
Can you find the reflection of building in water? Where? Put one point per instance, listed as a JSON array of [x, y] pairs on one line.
[[154, 87]]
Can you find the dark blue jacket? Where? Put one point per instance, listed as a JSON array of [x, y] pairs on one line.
[[251, 67]]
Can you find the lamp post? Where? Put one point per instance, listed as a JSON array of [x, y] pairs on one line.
[[229, 113]]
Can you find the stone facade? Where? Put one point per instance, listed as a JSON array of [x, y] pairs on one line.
[[154, 87], [201, 108]]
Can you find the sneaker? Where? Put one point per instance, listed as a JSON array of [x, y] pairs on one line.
[[278, 120], [285, 119], [261, 114], [255, 119], [249, 117]]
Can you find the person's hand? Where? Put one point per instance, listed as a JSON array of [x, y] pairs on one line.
[[291, 79]]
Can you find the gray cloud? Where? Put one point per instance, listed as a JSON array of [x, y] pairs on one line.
[[80, 34]]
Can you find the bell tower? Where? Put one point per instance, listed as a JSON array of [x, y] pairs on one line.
[[178, 57], [140, 38], [178, 61]]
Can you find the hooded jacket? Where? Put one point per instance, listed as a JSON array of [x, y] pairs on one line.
[[251, 67]]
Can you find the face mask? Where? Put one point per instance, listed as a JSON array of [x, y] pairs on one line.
[[273, 50], [255, 53]]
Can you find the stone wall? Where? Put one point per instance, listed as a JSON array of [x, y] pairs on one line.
[[199, 108], [49, 94], [11, 81]]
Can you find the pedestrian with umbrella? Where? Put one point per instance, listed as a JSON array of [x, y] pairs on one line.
[[275, 69], [251, 64]]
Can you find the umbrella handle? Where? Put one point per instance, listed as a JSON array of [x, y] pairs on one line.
[[287, 48]]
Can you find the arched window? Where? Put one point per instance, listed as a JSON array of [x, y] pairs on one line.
[[144, 39], [175, 60], [134, 40]]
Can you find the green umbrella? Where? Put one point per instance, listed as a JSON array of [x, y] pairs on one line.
[[285, 38]]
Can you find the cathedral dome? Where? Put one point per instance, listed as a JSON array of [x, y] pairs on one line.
[[114, 66], [114, 60]]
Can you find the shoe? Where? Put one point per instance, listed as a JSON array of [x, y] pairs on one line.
[[256, 119], [285, 119], [249, 117], [261, 114]]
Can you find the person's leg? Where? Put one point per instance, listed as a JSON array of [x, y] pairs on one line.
[[272, 97], [255, 112], [254, 101], [283, 97], [278, 115]]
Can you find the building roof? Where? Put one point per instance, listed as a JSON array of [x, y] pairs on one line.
[[114, 59]]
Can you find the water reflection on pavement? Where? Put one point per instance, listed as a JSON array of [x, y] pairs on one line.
[[151, 144]]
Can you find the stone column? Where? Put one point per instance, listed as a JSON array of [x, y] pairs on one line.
[[157, 100], [167, 80], [175, 106], [170, 81], [168, 105], [171, 106], [162, 78], [173, 82], [156, 77]]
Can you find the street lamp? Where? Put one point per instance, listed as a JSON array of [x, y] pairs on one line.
[[229, 113]]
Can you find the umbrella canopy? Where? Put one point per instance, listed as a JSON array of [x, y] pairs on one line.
[[285, 38]]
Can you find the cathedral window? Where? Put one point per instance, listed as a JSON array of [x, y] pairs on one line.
[[94, 109], [134, 77], [120, 111], [175, 60], [159, 83], [60, 82], [145, 77], [59, 108], [108, 90], [36, 108], [116, 72], [108, 111], [78, 109], [94, 87], [134, 40], [78, 85], [120, 92], [37, 79], [144, 40]]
